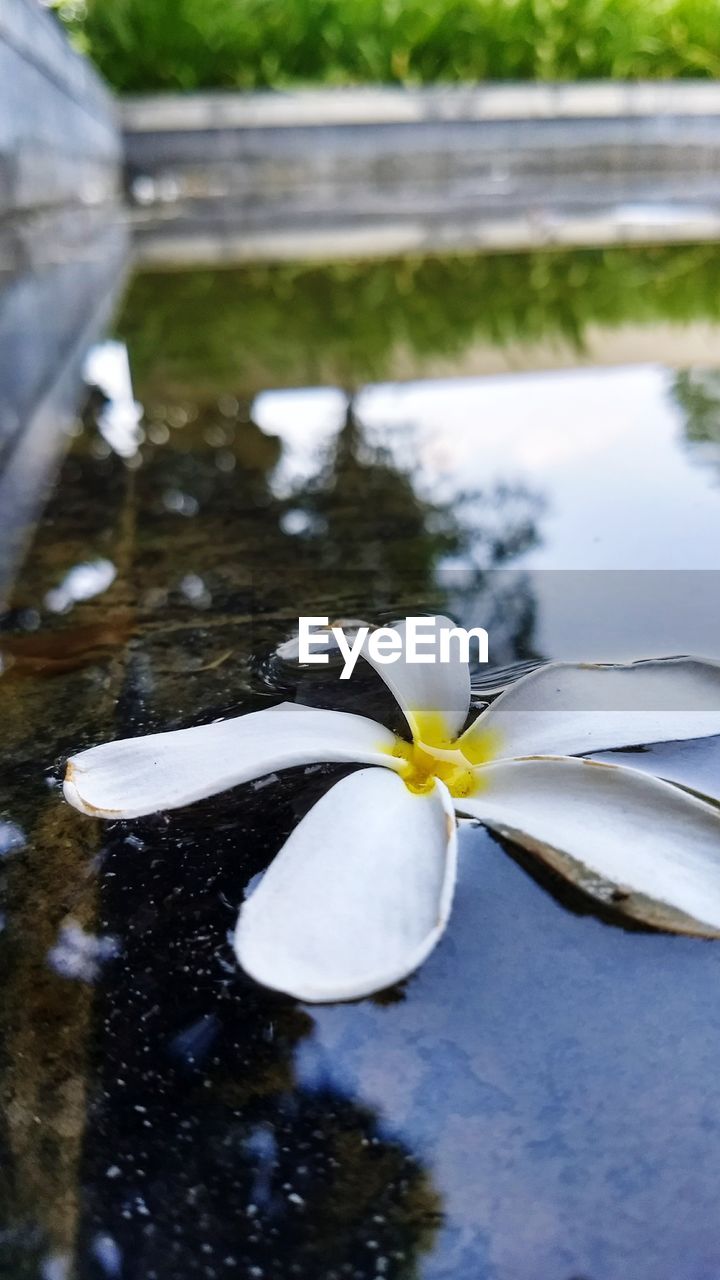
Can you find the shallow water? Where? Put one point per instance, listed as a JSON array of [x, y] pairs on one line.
[[541, 1099]]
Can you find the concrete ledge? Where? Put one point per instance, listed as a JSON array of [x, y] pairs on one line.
[[167, 245], [326, 107], [223, 177]]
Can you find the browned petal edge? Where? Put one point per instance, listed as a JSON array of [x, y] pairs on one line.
[[71, 771]]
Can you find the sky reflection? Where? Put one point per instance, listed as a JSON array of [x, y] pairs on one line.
[[553, 1091], [604, 448]]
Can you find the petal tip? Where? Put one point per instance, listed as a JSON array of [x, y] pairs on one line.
[[73, 796], [335, 917], [265, 976]]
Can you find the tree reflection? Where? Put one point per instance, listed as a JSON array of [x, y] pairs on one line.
[[197, 333], [368, 533], [364, 512], [697, 393]]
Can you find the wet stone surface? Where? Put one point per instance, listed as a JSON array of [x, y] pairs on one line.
[[540, 1100]]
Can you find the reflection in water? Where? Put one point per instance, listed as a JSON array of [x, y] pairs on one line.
[[582, 438], [193, 1064], [360, 510], [82, 582], [203, 1156], [107, 371], [12, 838], [202, 333], [520, 1107], [45, 1022], [697, 392], [54, 652], [54, 302], [536, 1064], [78, 954]]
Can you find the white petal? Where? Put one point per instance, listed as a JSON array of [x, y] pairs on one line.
[[636, 843], [434, 696], [358, 896], [135, 776], [568, 709]]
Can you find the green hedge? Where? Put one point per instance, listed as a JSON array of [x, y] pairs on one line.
[[194, 44]]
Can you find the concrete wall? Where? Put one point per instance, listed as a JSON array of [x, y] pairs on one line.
[[62, 252], [60, 176], [49, 319], [59, 141], [325, 173]]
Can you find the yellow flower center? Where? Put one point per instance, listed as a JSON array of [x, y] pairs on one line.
[[433, 755]]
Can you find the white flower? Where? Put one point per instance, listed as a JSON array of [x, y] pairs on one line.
[[361, 892]]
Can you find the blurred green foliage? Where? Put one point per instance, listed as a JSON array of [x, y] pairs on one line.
[[697, 392], [236, 331], [246, 44]]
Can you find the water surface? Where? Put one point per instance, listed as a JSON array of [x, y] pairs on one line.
[[541, 1099]]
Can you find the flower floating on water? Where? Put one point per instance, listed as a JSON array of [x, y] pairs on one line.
[[362, 890]]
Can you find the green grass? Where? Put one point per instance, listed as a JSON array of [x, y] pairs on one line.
[[246, 44], [202, 334]]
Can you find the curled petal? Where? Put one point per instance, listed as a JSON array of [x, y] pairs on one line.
[[692, 765], [433, 695], [570, 709], [635, 843], [358, 896], [135, 776]]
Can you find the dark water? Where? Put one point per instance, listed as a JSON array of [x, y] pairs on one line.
[[540, 1101]]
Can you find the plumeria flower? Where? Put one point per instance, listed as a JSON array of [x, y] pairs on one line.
[[361, 892]]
